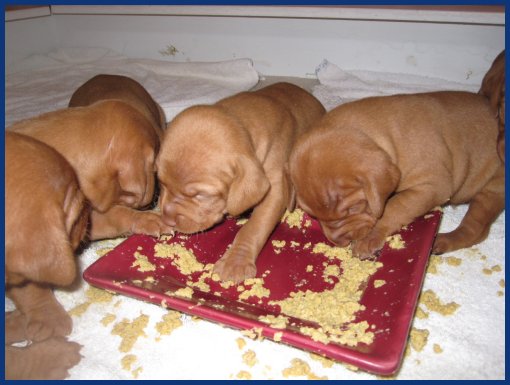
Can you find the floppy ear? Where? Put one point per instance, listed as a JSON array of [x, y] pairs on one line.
[[288, 188], [47, 257], [379, 183], [249, 186]]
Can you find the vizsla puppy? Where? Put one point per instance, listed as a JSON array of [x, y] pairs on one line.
[[46, 216], [118, 87], [371, 166], [229, 157], [112, 147], [493, 86]]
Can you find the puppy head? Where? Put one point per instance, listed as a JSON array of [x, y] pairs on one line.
[[207, 169], [118, 167], [46, 213], [344, 182]]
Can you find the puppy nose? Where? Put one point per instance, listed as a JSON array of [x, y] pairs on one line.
[[169, 214]]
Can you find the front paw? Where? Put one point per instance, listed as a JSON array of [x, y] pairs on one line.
[[150, 223], [235, 267], [366, 247], [45, 323]]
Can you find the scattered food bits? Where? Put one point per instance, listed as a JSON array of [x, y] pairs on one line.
[[418, 338], [142, 262], [127, 361], [185, 292], [278, 244], [379, 282], [241, 221], [434, 262], [184, 259], [432, 302], [294, 218], [98, 295], [79, 310], [108, 319], [487, 271], [130, 331], [502, 283], [279, 322], [278, 336], [437, 349], [250, 358], [170, 322], [294, 244], [241, 343], [300, 368], [496, 268], [309, 268], [257, 289], [453, 261], [396, 242], [243, 375], [421, 314], [326, 362]]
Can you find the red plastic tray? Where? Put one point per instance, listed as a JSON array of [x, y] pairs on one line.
[[390, 308]]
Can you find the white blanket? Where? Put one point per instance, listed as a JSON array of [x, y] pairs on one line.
[[468, 344], [43, 83]]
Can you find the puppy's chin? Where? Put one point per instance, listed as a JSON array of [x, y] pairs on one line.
[[189, 226]]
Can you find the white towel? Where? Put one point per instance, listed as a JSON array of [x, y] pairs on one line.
[[338, 86], [43, 83]]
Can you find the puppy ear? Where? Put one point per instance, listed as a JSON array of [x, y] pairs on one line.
[[288, 189], [249, 186], [378, 184]]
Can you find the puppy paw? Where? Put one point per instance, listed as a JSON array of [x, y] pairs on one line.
[[366, 247], [150, 223], [236, 268], [15, 327], [46, 323], [46, 360]]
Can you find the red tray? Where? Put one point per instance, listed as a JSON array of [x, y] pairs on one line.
[[390, 308]]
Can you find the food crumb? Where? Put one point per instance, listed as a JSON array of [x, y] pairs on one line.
[[421, 314], [437, 348], [250, 358], [108, 319], [279, 322], [294, 218], [142, 262], [396, 242], [496, 268], [418, 338], [127, 361], [243, 375], [98, 295], [300, 368], [184, 259], [241, 343], [170, 322], [278, 336], [326, 362], [130, 331], [309, 268], [79, 310], [379, 282], [453, 261], [433, 303]]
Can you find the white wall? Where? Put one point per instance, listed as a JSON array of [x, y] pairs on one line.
[[283, 46]]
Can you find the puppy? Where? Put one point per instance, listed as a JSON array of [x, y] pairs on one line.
[[229, 157], [46, 217], [112, 147], [371, 166], [493, 87], [118, 87]]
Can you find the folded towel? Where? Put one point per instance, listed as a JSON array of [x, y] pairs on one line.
[[338, 86], [43, 83]]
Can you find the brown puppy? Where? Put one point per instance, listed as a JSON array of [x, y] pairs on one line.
[[112, 147], [371, 166], [229, 157], [45, 220], [118, 87], [493, 87]]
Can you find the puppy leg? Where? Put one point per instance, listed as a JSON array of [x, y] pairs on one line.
[[15, 327], [400, 210], [484, 208], [123, 220], [45, 316], [238, 262], [47, 360]]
